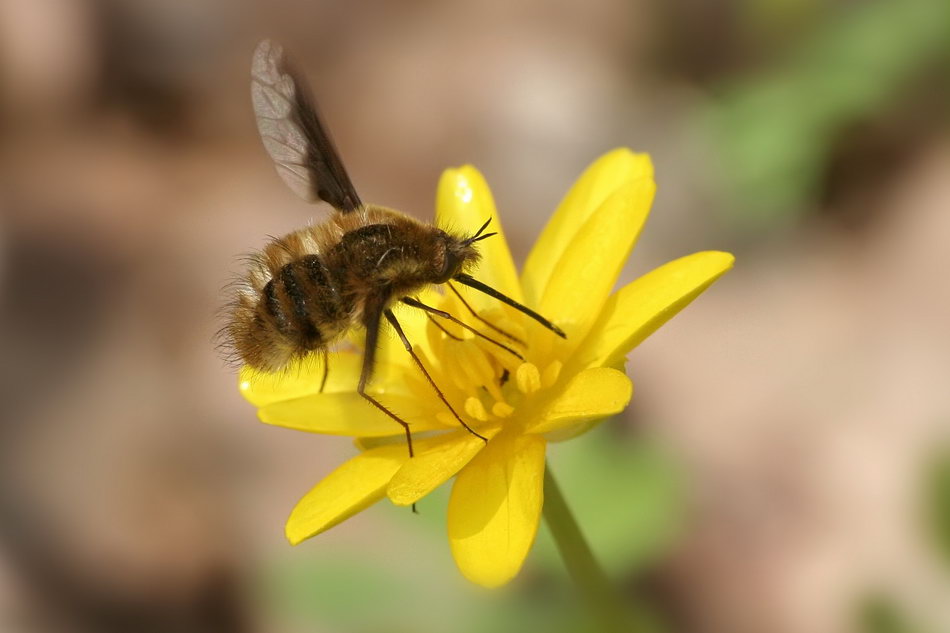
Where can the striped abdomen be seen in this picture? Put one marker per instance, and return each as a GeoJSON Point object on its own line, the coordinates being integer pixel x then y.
{"type": "Point", "coordinates": [302, 303]}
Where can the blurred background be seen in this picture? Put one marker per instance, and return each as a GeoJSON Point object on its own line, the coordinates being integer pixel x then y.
{"type": "Point", "coordinates": [785, 464]}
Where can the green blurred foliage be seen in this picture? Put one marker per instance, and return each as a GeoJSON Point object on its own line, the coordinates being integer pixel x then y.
{"type": "Point", "coordinates": [937, 503]}
{"type": "Point", "coordinates": [880, 614]}
{"type": "Point", "coordinates": [628, 497]}
{"type": "Point", "coordinates": [773, 131]}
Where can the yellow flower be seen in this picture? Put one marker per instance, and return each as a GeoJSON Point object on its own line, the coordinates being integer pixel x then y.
{"type": "Point", "coordinates": [561, 388]}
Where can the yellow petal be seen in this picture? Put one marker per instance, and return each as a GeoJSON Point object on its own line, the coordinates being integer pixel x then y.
{"type": "Point", "coordinates": [590, 395]}
{"type": "Point", "coordinates": [348, 414]}
{"type": "Point", "coordinates": [599, 181]}
{"type": "Point", "coordinates": [463, 203]}
{"type": "Point", "coordinates": [302, 378]}
{"type": "Point", "coordinates": [435, 462]}
{"type": "Point", "coordinates": [351, 488]}
{"type": "Point", "coordinates": [495, 507]}
{"type": "Point", "coordinates": [640, 307]}
{"type": "Point", "coordinates": [587, 271]}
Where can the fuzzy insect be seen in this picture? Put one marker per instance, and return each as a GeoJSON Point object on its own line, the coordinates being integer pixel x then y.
{"type": "Point", "coordinates": [309, 288]}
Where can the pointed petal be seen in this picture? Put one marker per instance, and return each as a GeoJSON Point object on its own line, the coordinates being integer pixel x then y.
{"type": "Point", "coordinates": [351, 488]}
{"type": "Point", "coordinates": [587, 271]}
{"type": "Point", "coordinates": [435, 462]}
{"type": "Point", "coordinates": [302, 378]}
{"type": "Point", "coordinates": [495, 508]}
{"type": "Point", "coordinates": [640, 307]}
{"type": "Point", "coordinates": [348, 414]}
{"type": "Point", "coordinates": [463, 203]}
{"type": "Point", "coordinates": [590, 395]}
{"type": "Point", "coordinates": [595, 185]}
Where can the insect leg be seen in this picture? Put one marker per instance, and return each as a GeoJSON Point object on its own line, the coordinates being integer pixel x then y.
{"type": "Point", "coordinates": [479, 317]}
{"type": "Point", "coordinates": [326, 369]}
{"type": "Point", "coordinates": [471, 282]}
{"type": "Point", "coordinates": [373, 314]}
{"type": "Point", "coordinates": [436, 323]}
{"type": "Point", "coordinates": [405, 342]}
{"type": "Point", "coordinates": [415, 303]}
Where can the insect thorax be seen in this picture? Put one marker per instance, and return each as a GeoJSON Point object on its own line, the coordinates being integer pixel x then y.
{"type": "Point", "coordinates": [392, 258]}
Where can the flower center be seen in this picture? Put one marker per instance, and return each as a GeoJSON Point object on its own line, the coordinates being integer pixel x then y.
{"type": "Point", "coordinates": [484, 381]}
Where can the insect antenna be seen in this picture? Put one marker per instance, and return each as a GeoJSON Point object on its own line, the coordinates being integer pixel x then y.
{"type": "Point", "coordinates": [415, 303]}
{"type": "Point", "coordinates": [478, 237]}
{"type": "Point", "coordinates": [471, 282]}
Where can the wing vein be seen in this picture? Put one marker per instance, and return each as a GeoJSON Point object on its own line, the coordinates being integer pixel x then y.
{"type": "Point", "coordinates": [293, 135]}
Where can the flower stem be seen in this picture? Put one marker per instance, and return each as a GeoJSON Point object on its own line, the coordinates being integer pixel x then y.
{"type": "Point", "coordinates": [588, 575]}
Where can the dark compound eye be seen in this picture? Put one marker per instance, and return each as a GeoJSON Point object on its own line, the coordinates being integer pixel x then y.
{"type": "Point", "coordinates": [450, 265]}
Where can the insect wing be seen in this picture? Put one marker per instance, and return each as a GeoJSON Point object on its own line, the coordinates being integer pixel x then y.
{"type": "Point", "coordinates": [293, 135]}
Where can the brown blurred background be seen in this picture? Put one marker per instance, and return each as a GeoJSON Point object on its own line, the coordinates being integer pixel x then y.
{"type": "Point", "coordinates": [784, 465]}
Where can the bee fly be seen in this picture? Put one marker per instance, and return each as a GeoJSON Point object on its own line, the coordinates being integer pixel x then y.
{"type": "Point", "coordinates": [310, 287]}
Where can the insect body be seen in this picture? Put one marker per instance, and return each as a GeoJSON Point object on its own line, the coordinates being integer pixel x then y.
{"type": "Point", "coordinates": [310, 287]}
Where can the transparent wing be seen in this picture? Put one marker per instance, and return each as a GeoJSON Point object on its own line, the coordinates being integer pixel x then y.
{"type": "Point", "coordinates": [293, 135]}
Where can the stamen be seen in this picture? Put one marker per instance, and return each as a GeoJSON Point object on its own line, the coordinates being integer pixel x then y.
{"type": "Point", "coordinates": [453, 367]}
{"type": "Point", "coordinates": [550, 374]}
{"type": "Point", "coordinates": [500, 356]}
{"type": "Point", "coordinates": [508, 325]}
{"type": "Point", "coordinates": [473, 363]}
{"type": "Point", "coordinates": [502, 409]}
{"type": "Point", "coordinates": [475, 409]}
{"type": "Point", "coordinates": [494, 389]}
{"type": "Point", "coordinates": [481, 370]}
{"type": "Point", "coordinates": [527, 378]}
{"type": "Point", "coordinates": [482, 365]}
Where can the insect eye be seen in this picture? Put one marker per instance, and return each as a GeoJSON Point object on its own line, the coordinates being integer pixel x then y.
{"type": "Point", "coordinates": [450, 266]}
{"type": "Point", "coordinates": [452, 259]}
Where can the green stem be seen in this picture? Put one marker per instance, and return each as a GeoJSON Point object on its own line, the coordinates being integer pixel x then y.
{"type": "Point", "coordinates": [588, 575]}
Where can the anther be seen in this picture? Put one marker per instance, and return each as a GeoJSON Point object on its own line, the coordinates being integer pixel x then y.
{"type": "Point", "coordinates": [527, 378]}
{"type": "Point", "coordinates": [502, 409]}
{"type": "Point", "coordinates": [475, 409]}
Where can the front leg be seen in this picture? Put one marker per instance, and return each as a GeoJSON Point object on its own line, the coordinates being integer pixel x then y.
{"type": "Point", "coordinates": [405, 343]}
{"type": "Point", "coordinates": [372, 315]}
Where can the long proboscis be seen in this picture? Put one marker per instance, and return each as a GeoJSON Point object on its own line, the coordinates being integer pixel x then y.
{"type": "Point", "coordinates": [471, 282]}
